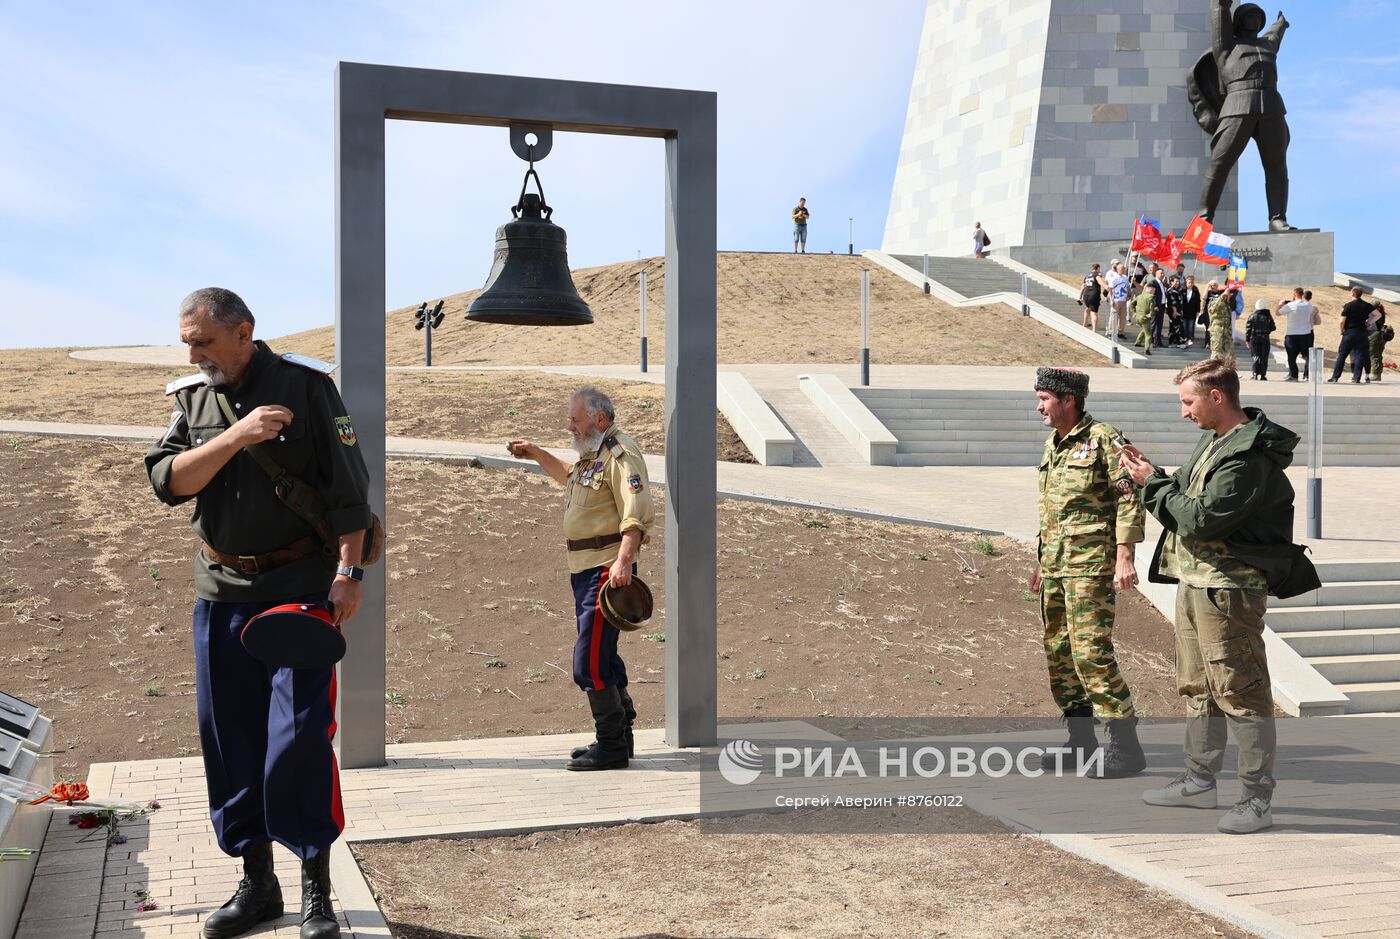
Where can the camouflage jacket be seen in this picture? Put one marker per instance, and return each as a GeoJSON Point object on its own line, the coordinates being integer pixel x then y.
{"type": "Point", "coordinates": [1088, 505]}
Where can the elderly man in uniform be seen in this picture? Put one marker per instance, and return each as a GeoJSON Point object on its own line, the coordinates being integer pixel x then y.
{"type": "Point", "coordinates": [1227, 532]}
{"type": "Point", "coordinates": [265, 732]}
{"type": "Point", "coordinates": [607, 514]}
{"type": "Point", "coordinates": [1090, 518]}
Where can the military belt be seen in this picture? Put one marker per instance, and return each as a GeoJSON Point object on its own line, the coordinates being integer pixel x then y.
{"type": "Point", "coordinates": [251, 564]}
{"type": "Point", "coordinates": [597, 541]}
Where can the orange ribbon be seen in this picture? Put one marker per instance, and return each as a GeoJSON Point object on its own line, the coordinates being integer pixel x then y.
{"type": "Point", "coordinates": [65, 792]}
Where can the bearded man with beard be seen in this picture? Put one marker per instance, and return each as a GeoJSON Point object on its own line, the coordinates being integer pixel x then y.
{"type": "Point", "coordinates": [607, 513]}
{"type": "Point", "coordinates": [266, 732]}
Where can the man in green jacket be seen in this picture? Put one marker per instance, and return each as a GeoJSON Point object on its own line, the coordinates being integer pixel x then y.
{"type": "Point", "coordinates": [1231, 501]}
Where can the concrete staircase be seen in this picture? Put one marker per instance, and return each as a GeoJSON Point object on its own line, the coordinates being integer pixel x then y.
{"type": "Point", "coordinates": [947, 427]}
{"type": "Point", "coordinates": [1349, 631]}
{"type": "Point", "coordinates": [973, 277]}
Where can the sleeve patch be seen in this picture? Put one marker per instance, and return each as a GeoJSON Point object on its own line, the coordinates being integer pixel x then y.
{"type": "Point", "coordinates": [346, 431]}
{"type": "Point", "coordinates": [175, 418]}
{"type": "Point", "coordinates": [634, 482]}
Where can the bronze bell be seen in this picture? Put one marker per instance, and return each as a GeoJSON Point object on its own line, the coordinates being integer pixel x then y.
{"type": "Point", "coordinates": [529, 283]}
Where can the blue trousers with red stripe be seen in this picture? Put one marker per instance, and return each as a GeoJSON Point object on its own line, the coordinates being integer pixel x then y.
{"type": "Point", "coordinates": [266, 735]}
{"type": "Point", "coordinates": [596, 662]}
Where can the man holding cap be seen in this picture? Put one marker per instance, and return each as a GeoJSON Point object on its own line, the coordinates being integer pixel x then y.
{"type": "Point", "coordinates": [266, 732]}
{"type": "Point", "coordinates": [1090, 518]}
{"type": "Point", "coordinates": [607, 513]}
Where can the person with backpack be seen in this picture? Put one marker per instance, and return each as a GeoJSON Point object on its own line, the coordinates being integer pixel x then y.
{"type": "Point", "coordinates": [981, 241]}
{"type": "Point", "coordinates": [1378, 335]}
{"type": "Point", "coordinates": [1091, 297]}
{"type": "Point", "coordinates": [1256, 335]}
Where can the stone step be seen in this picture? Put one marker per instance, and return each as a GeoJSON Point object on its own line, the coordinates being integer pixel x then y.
{"type": "Point", "coordinates": [1358, 570]}
{"type": "Point", "coordinates": [1337, 616]}
{"type": "Point", "coordinates": [1345, 642]}
{"type": "Point", "coordinates": [1371, 696]}
{"type": "Point", "coordinates": [1357, 591]}
{"type": "Point", "coordinates": [1374, 667]}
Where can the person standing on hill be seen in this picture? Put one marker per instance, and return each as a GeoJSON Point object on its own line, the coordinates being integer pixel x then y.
{"type": "Point", "coordinates": [800, 214]}
{"type": "Point", "coordinates": [1356, 315]}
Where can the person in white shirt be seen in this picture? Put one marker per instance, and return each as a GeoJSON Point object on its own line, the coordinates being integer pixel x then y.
{"type": "Point", "coordinates": [1117, 298]}
{"type": "Point", "coordinates": [1302, 316]}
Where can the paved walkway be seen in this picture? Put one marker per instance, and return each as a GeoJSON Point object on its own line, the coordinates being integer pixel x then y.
{"type": "Point", "coordinates": [1331, 867]}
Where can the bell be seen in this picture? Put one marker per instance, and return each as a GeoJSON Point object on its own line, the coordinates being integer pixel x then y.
{"type": "Point", "coordinates": [529, 283]}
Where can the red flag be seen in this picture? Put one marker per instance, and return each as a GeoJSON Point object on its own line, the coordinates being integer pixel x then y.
{"type": "Point", "coordinates": [1196, 234]}
{"type": "Point", "coordinates": [1170, 251]}
{"type": "Point", "coordinates": [1147, 237]}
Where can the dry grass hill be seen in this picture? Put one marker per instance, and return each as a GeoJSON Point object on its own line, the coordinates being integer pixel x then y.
{"type": "Point", "coordinates": [771, 308]}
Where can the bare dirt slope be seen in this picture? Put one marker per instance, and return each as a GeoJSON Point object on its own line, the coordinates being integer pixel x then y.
{"type": "Point", "coordinates": [771, 308]}
{"type": "Point", "coordinates": [48, 385]}
{"type": "Point", "coordinates": [821, 616]}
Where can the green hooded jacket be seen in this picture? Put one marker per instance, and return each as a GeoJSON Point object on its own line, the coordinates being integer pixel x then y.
{"type": "Point", "coordinates": [1238, 516]}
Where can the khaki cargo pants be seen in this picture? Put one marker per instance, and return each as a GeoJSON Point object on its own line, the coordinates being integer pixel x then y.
{"type": "Point", "coordinates": [1222, 672]}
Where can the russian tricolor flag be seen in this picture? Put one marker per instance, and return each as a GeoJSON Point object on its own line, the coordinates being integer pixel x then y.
{"type": "Point", "coordinates": [1217, 249]}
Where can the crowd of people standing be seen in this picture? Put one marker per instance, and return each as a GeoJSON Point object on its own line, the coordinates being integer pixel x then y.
{"type": "Point", "coordinates": [1168, 306]}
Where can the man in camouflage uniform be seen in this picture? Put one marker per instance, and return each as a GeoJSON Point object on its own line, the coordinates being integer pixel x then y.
{"type": "Point", "coordinates": [1222, 325]}
{"type": "Point", "coordinates": [1227, 520]}
{"type": "Point", "coordinates": [1090, 518]}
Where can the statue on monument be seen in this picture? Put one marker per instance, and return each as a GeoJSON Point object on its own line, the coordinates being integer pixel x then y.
{"type": "Point", "coordinates": [1234, 91]}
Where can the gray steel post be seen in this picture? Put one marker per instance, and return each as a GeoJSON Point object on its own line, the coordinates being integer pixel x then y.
{"type": "Point", "coordinates": [1025, 297]}
{"type": "Point", "coordinates": [642, 284]}
{"type": "Point", "coordinates": [865, 326]}
{"type": "Point", "coordinates": [428, 342]}
{"type": "Point", "coordinates": [359, 349]}
{"type": "Point", "coordinates": [926, 286]}
{"type": "Point", "coordinates": [691, 608]}
{"type": "Point", "coordinates": [1316, 430]}
{"type": "Point", "coordinates": [851, 233]}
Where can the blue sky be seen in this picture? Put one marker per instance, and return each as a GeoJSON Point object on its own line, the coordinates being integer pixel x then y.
{"type": "Point", "coordinates": [151, 148]}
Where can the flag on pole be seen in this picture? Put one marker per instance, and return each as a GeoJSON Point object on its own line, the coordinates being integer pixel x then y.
{"type": "Point", "coordinates": [1147, 236]}
{"type": "Point", "coordinates": [1169, 252]}
{"type": "Point", "coordinates": [1196, 234]}
{"type": "Point", "coordinates": [1237, 271]}
{"type": "Point", "coordinates": [1217, 249]}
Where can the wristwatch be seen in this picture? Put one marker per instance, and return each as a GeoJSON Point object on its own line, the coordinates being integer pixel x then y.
{"type": "Point", "coordinates": [354, 573]}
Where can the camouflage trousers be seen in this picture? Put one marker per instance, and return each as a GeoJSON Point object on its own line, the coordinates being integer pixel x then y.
{"type": "Point", "coordinates": [1078, 617]}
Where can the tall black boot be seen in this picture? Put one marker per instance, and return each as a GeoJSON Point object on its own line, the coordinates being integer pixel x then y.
{"type": "Point", "coordinates": [257, 899]}
{"type": "Point", "coordinates": [317, 917]}
{"type": "Point", "coordinates": [1124, 756]}
{"type": "Point", "coordinates": [630, 710]}
{"type": "Point", "coordinates": [1082, 743]}
{"type": "Point", "coordinates": [610, 724]}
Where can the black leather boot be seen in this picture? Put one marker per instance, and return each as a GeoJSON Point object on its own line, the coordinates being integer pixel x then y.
{"type": "Point", "coordinates": [630, 710]}
{"type": "Point", "coordinates": [610, 724]}
{"type": "Point", "coordinates": [1124, 756]}
{"type": "Point", "coordinates": [317, 917]}
{"type": "Point", "coordinates": [257, 899]}
{"type": "Point", "coordinates": [1082, 743]}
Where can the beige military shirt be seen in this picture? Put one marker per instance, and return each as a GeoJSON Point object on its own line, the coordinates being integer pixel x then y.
{"type": "Point", "coordinates": [607, 493]}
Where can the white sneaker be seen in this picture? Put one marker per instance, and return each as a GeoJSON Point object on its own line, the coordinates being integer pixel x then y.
{"type": "Point", "coordinates": [1249, 815]}
{"type": "Point", "coordinates": [1181, 792]}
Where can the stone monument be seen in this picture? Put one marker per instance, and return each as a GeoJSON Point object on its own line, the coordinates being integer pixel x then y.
{"type": "Point", "coordinates": [1055, 123]}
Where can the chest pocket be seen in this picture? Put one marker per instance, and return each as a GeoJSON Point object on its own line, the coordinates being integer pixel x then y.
{"type": "Point", "coordinates": [292, 448]}
{"type": "Point", "coordinates": [589, 497]}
